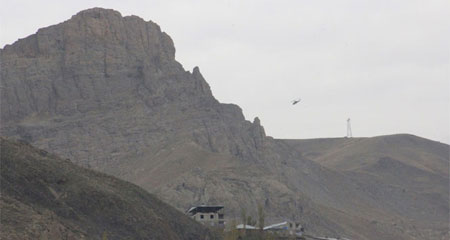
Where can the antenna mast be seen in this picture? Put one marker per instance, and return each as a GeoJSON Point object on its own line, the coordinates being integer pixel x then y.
{"type": "Point", "coordinates": [349, 129]}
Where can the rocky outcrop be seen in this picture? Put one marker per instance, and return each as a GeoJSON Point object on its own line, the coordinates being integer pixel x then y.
{"type": "Point", "coordinates": [64, 76]}
{"type": "Point", "coordinates": [96, 60]}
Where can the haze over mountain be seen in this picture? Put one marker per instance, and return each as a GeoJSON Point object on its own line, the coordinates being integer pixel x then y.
{"type": "Point", "coordinates": [106, 92]}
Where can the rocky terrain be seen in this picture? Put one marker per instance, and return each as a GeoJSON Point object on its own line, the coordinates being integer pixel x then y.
{"type": "Point", "coordinates": [408, 174]}
{"type": "Point", "coordinates": [106, 92]}
{"type": "Point", "coordinates": [45, 197]}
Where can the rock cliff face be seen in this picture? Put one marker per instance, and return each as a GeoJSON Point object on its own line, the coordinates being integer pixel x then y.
{"type": "Point", "coordinates": [70, 75]}
{"type": "Point", "coordinates": [106, 91]}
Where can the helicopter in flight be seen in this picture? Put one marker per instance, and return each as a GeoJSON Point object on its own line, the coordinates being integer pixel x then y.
{"type": "Point", "coordinates": [295, 101]}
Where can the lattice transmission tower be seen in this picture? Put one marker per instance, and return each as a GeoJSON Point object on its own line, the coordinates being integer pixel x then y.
{"type": "Point", "coordinates": [349, 129]}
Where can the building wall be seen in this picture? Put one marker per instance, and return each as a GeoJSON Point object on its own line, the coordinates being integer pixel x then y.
{"type": "Point", "coordinates": [209, 219]}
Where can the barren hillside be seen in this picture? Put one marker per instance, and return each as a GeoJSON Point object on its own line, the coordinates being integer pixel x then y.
{"type": "Point", "coordinates": [45, 197]}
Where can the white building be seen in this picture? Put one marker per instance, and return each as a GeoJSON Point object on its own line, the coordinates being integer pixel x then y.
{"type": "Point", "coordinates": [208, 215]}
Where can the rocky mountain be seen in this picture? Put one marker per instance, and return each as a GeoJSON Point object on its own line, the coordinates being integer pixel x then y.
{"type": "Point", "coordinates": [106, 91]}
{"type": "Point", "coordinates": [46, 197]}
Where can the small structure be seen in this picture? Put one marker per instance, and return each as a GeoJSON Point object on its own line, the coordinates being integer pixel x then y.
{"type": "Point", "coordinates": [287, 227]}
{"type": "Point", "coordinates": [208, 215]}
{"type": "Point", "coordinates": [246, 227]}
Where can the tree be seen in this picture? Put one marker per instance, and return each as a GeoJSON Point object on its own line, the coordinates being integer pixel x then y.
{"type": "Point", "coordinates": [233, 234]}
{"type": "Point", "coordinates": [104, 236]}
{"type": "Point", "coordinates": [250, 221]}
{"type": "Point", "coordinates": [261, 217]}
{"type": "Point", "coordinates": [244, 217]}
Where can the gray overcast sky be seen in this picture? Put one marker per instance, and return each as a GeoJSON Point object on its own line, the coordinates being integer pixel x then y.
{"type": "Point", "coordinates": [383, 63]}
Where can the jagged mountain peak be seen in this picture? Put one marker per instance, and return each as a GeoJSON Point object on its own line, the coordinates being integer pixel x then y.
{"type": "Point", "coordinates": [98, 12]}
{"type": "Point", "coordinates": [97, 59]}
{"type": "Point", "coordinates": [100, 63]}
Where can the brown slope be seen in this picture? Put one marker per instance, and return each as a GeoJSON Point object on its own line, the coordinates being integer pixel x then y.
{"type": "Point", "coordinates": [356, 153]}
{"type": "Point", "coordinates": [408, 161]}
{"type": "Point", "coordinates": [45, 197]}
{"type": "Point", "coordinates": [106, 91]}
{"type": "Point", "coordinates": [407, 174]}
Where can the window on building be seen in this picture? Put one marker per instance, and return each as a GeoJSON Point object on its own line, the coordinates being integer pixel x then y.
{"type": "Point", "coordinates": [201, 216]}
{"type": "Point", "coordinates": [212, 216]}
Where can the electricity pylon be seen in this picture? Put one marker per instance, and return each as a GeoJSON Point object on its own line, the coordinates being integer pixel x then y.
{"type": "Point", "coordinates": [349, 129]}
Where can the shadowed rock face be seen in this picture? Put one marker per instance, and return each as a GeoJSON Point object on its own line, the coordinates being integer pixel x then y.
{"type": "Point", "coordinates": [45, 197]}
{"type": "Point", "coordinates": [106, 91]}
{"type": "Point", "coordinates": [84, 64]}
{"type": "Point", "coordinates": [108, 76]}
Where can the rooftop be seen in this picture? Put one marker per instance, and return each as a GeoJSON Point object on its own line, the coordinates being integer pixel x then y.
{"type": "Point", "coordinates": [204, 209]}
{"type": "Point", "coordinates": [241, 226]}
